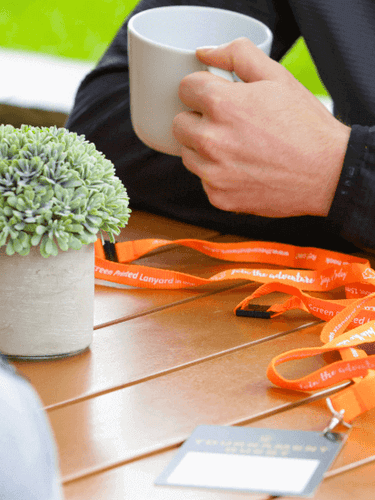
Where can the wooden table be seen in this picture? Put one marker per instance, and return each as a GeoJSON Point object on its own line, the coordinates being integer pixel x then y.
{"type": "Point", "coordinates": [164, 362]}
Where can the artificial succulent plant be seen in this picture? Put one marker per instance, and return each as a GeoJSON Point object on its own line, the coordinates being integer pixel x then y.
{"type": "Point", "coordinates": [56, 191]}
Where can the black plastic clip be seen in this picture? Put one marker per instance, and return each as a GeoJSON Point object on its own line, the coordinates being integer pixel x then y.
{"type": "Point", "coordinates": [255, 311]}
{"type": "Point", "coordinates": [110, 251]}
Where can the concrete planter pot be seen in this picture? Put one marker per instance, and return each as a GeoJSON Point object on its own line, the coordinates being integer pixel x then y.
{"type": "Point", "coordinates": [47, 305]}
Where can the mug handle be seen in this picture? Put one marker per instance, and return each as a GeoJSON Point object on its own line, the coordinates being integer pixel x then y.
{"type": "Point", "coordinates": [223, 73]}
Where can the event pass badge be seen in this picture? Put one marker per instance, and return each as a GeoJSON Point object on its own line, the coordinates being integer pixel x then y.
{"type": "Point", "coordinates": [273, 461]}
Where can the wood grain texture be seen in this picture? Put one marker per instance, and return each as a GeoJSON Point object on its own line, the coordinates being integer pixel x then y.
{"type": "Point", "coordinates": [127, 423]}
{"type": "Point", "coordinates": [163, 362]}
{"type": "Point", "coordinates": [348, 478]}
{"type": "Point", "coordinates": [153, 344]}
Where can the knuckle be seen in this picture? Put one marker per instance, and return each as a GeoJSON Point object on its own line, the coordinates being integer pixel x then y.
{"type": "Point", "coordinates": [219, 199]}
{"type": "Point", "coordinates": [284, 75]}
{"type": "Point", "coordinates": [216, 103]}
{"type": "Point", "coordinates": [175, 125]}
{"type": "Point", "coordinates": [206, 145]}
{"type": "Point", "coordinates": [240, 42]}
{"type": "Point", "coordinates": [214, 198]}
{"type": "Point", "coordinates": [193, 83]}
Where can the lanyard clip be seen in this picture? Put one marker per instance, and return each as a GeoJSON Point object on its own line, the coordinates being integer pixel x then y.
{"type": "Point", "coordinates": [254, 311]}
{"type": "Point", "coordinates": [110, 251]}
{"type": "Point", "coordinates": [337, 418]}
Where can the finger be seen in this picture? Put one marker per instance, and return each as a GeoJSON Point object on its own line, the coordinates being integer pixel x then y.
{"type": "Point", "coordinates": [196, 89]}
{"type": "Point", "coordinates": [185, 127]}
{"type": "Point", "coordinates": [195, 132]}
{"type": "Point", "coordinates": [243, 57]}
{"type": "Point", "coordinates": [208, 173]}
{"type": "Point", "coordinates": [199, 166]}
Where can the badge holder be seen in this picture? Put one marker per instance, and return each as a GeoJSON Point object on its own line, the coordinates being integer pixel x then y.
{"type": "Point", "coordinates": [276, 462]}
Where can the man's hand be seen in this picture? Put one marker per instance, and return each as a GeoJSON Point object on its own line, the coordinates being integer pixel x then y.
{"type": "Point", "coordinates": [266, 146]}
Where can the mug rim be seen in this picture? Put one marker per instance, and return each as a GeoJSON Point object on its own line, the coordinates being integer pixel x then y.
{"type": "Point", "coordinates": [132, 29]}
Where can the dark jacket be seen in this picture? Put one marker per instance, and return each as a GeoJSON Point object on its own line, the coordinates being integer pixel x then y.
{"type": "Point", "coordinates": [340, 35]}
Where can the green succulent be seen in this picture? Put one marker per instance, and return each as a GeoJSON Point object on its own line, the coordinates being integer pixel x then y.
{"type": "Point", "coordinates": [56, 191]}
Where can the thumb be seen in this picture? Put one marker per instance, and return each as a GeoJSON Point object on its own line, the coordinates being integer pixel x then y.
{"type": "Point", "coordinates": [244, 58]}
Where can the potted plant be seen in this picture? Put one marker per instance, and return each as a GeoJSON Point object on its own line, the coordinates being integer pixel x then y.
{"type": "Point", "coordinates": [57, 192]}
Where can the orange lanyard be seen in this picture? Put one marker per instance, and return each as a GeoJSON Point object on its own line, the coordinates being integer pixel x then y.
{"type": "Point", "coordinates": [356, 365]}
{"type": "Point", "coordinates": [316, 269]}
{"type": "Point", "coordinates": [350, 322]}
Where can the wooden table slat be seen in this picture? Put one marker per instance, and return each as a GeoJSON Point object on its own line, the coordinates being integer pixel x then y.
{"type": "Point", "coordinates": [147, 225]}
{"type": "Point", "coordinates": [135, 481]}
{"type": "Point", "coordinates": [357, 482]}
{"type": "Point", "coordinates": [163, 362]}
{"type": "Point", "coordinates": [147, 346]}
{"type": "Point", "coordinates": [124, 424]}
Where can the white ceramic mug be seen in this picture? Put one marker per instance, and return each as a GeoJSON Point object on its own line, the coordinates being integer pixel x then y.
{"type": "Point", "coordinates": [161, 47]}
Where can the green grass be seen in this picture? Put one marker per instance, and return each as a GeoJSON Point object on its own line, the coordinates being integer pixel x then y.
{"type": "Point", "coordinates": [82, 29]}
{"type": "Point", "coordinates": [79, 29]}
{"type": "Point", "coordinates": [299, 62]}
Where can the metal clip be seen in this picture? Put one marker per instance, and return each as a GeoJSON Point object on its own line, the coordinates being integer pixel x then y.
{"type": "Point", "coordinates": [337, 418]}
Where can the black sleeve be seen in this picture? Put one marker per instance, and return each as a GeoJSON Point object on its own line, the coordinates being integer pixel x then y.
{"type": "Point", "coordinates": [353, 208]}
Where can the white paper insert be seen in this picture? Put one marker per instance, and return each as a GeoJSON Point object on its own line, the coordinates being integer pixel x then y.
{"type": "Point", "coordinates": [218, 470]}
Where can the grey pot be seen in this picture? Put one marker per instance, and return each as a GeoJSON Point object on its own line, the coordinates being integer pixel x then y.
{"type": "Point", "coordinates": [46, 305]}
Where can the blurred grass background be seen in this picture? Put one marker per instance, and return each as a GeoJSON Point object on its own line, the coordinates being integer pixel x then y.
{"type": "Point", "coordinates": [82, 29]}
